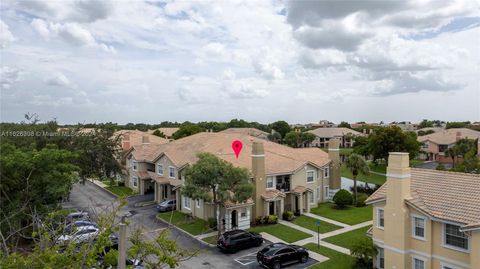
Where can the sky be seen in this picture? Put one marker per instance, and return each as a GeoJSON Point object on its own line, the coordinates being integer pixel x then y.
{"type": "Point", "coordinates": [300, 61]}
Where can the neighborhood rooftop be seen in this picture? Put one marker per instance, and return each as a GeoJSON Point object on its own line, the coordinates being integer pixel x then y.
{"type": "Point", "coordinates": [333, 132]}
{"type": "Point", "coordinates": [246, 131]}
{"type": "Point", "coordinates": [449, 136]}
{"type": "Point", "coordinates": [444, 195]}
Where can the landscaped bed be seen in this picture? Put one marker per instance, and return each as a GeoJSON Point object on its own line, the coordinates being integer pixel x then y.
{"type": "Point", "coordinates": [310, 223]}
{"type": "Point", "coordinates": [120, 191]}
{"type": "Point", "coordinates": [350, 215]}
{"type": "Point", "coordinates": [337, 260]}
{"type": "Point", "coordinates": [283, 232]}
{"type": "Point", "coordinates": [194, 226]}
{"type": "Point", "coordinates": [347, 239]}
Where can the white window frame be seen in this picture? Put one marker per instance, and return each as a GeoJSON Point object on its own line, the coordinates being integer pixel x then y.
{"type": "Point", "coordinates": [170, 172]}
{"type": "Point", "coordinates": [197, 203]}
{"type": "Point", "coordinates": [134, 165]}
{"type": "Point", "coordinates": [160, 169]}
{"type": "Point", "coordinates": [311, 197]}
{"type": "Point", "coordinates": [326, 190]}
{"type": "Point", "coordinates": [424, 238]}
{"type": "Point", "coordinates": [326, 172]}
{"type": "Point", "coordinates": [318, 194]}
{"type": "Point", "coordinates": [313, 176]}
{"type": "Point", "coordinates": [135, 181]}
{"type": "Point", "coordinates": [444, 240]}
{"type": "Point", "coordinates": [378, 258]}
{"type": "Point", "coordinates": [273, 182]}
{"type": "Point", "coordinates": [447, 266]}
{"type": "Point", "coordinates": [186, 200]}
{"type": "Point", "coordinates": [378, 217]}
{"type": "Point", "coordinates": [242, 212]}
{"type": "Point", "coordinates": [420, 259]}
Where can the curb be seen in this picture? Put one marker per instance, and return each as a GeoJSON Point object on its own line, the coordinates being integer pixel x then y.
{"type": "Point", "coordinates": [105, 190]}
{"type": "Point", "coordinates": [185, 232]}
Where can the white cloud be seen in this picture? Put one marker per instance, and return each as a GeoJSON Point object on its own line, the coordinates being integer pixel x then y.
{"type": "Point", "coordinates": [8, 76]}
{"type": "Point", "coordinates": [58, 79]}
{"type": "Point", "coordinates": [6, 37]}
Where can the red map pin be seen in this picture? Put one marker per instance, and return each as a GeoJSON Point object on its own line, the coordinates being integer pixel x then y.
{"type": "Point", "coordinates": [237, 147]}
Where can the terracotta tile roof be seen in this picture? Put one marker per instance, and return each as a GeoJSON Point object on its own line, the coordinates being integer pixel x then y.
{"type": "Point", "coordinates": [232, 204]}
{"type": "Point", "coordinates": [135, 137]}
{"type": "Point", "coordinates": [301, 189]}
{"type": "Point", "coordinates": [141, 174]}
{"type": "Point", "coordinates": [449, 136]}
{"type": "Point", "coordinates": [334, 132]}
{"type": "Point", "coordinates": [145, 153]}
{"type": "Point", "coordinates": [444, 195]}
{"type": "Point", "coordinates": [273, 194]}
{"type": "Point", "coordinates": [246, 131]}
{"type": "Point", "coordinates": [158, 179]}
{"type": "Point", "coordinates": [278, 158]}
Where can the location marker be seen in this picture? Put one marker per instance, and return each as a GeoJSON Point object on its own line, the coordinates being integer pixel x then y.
{"type": "Point", "coordinates": [237, 147]}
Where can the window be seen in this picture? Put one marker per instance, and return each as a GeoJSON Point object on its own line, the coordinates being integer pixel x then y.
{"type": "Point", "coordinates": [160, 169]}
{"type": "Point", "coordinates": [186, 202]}
{"type": "Point", "coordinates": [269, 182]}
{"type": "Point", "coordinates": [418, 264]}
{"type": "Point", "coordinates": [134, 165]}
{"type": "Point", "coordinates": [425, 145]}
{"type": "Point", "coordinates": [380, 218]}
{"type": "Point", "coordinates": [135, 181]}
{"type": "Point", "coordinates": [243, 213]}
{"type": "Point", "coordinates": [311, 197]}
{"type": "Point", "coordinates": [197, 203]}
{"type": "Point", "coordinates": [318, 193]}
{"type": "Point", "coordinates": [442, 148]}
{"type": "Point", "coordinates": [310, 176]}
{"type": "Point", "coordinates": [454, 238]}
{"type": "Point", "coordinates": [418, 227]}
{"type": "Point", "coordinates": [171, 172]}
{"type": "Point", "coordinates": [447, 267]}
{"type": "Point", "coordinates": [380, 259]}
{"type": "Point", "coordinates": [326, 172]}
{"type": "Point", "coordinates": [327, 190]}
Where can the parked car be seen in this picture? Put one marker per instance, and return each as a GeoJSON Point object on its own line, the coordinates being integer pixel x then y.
{"type": "Point", "coordinates": [167, 205]}
{"type": "Point", "coordinates": [232, 241]}
{"type": "Point", "coordinates": [276, 255]}
{"type": "Point", "coordinates": [79, 215]}
{"type": "Point", "coordinates": [79, 223]}
{"type": "Point", "coordinates": [80, 235]}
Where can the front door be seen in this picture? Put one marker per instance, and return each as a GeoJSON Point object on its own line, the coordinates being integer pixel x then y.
{"type": "Point", "coordinates": [296, 203]}
{"type": "Point", "coordinates": [271, 210]}
{"type": "Point", "coordinates": [234, 219]}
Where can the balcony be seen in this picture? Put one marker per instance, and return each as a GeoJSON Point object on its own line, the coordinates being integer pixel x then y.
{"type": "Point", "coordinates": [283, 183]}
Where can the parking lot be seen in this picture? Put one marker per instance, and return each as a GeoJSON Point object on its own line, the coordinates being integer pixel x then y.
{"type": "Point", "coordinates": [247, 259]}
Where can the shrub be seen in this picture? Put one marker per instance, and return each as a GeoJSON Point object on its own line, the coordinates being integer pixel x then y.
{"type": "Point", "coordinates": [342, 198]}
{"type": "Point", "coordinates": [361, 197]}
{"type": "Point", "coordinates": [121, 184]}
{"type": "Point", "coordinates": [365, 189]}
{"type": "Point", "coordinates": [272, 219]}
{"type": "Point", "coordinates": [111, 258]}
{"type": "Point", "coordinates": [212, 223]}
{"type": "Point", "coordinates": [258, 220]}
{"type": "Point", "coordinates": [363, 250]}
{"type": "Point", "coordinates": [287, 215]}
{"type": "Point", "coordinates": [441, 167]}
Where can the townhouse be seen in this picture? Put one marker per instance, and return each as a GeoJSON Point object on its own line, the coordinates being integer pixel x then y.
{"type": "Point", "coordinates": [426, 219]}
{"type": "Point", "coordinates": [285, 178]}
{"type": "Point", "coordinates": [248, 131]}
{"type": "Point", "coordinates": [344, 135]}
{"type": "Point", "coordinates": [130, 138]}
{"type": "Point", "coordinates": [434, 145]}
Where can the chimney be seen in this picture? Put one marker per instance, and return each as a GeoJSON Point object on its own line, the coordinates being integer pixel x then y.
{"type": "Point", "coordinates": [396, 213]}
{"type": "Point", "coordinates": [334, 155]}
{"type": "Point", "coordinates": [258, 172]}
{"type": "Point", "coordinates": [145, 140]}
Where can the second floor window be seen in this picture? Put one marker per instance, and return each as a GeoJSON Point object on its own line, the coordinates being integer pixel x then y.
{"type": "Point", "coordinates": [269, 182]}
{"type": "Point", "coordinates": [381, 258]}
{"type": "Point", "coordinates": [134, 165]}
{"type": "Point", "coordinates": [380, 218]}
{"type": "Point", "coordinates": [418, 264]}
{"type": "Point", "coordinates": [418, 225]}
{"type": "Point", "coordinates": [326, 172]}
{"type": "Point", "coordinates": [171, 172]}
{"type": "Point", "coordinates": [310, 176]}
{"type": "Point", "coordinates": [160, 169]}
{"type": "Point", "coordinates": [454, 238]}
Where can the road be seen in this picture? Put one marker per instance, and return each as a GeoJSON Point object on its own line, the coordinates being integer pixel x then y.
{"type": "Point", "coordinates": [93, 199]}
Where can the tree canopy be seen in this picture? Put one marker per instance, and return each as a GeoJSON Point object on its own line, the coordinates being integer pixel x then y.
{"type": "Point", "coordinates": [282, 127]}
{"type": "Point", "coordinates": [298, 139]}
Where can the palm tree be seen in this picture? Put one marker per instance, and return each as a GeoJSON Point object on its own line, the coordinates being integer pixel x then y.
{"type": "Point", "coordinates": [452, 152]}
{"type": "Point", "coordinates": [357, 165]}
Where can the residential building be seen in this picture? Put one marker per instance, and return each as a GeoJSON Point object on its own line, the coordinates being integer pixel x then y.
{"type": "Point", "coordinates": [406, 126]}
{"type": "Point", "coordinates": [129, 138]}
{"type": "Point", "coordinates": [167, 131]}
{"type": "Point", "coordinates": [426, 218]}
{"type": "Point", "coordinates": [344, 135]}
{"type": "Point", "coordinates": [285, 178]}
{"type": "Point", "coordinates": [248, 131]}
{"type": "Point", "coordinates": [429, 129]}
{"type": "Point", "coordinates": [434, 145]}
{"type": "Point", "coordinates": [321, 124]}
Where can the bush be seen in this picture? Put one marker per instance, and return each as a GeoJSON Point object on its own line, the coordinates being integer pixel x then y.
{"type": "Point", "coordinates": [343, 198]}
{"type": "Point", "coordinates": [363, 250]}
{"type": "Point", "coordinates": [259, 220]}
{"type": "Point", "coordinates": [287, 215]}
{"type": "Point", "coordinates": [111, 258]}
{"type": "Point", "coordinates": [365, 189]}
{"type": "Point", "coordinates": [361, 197]}
{"type": "Point", "coordinates": [121, 184]}
{"type": "Point", "coordinates": [441, 167]}
{"type": "Point", "coordinates": [272, 219]}
{"type": "Point", "coordinates": [212, 223]}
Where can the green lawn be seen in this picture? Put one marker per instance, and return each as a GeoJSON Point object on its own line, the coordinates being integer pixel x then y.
{"type": "Point", "coordinates": [346, 151]}
{"type": "Point", "coordinates": [379, 168]}
{"type": "Point", "coordinates": [414, 162]}
{"type": "Point", "coordinates": [310, 223]}
{"type": "Point", "coordinates": [120, 191]}
{"type": "Point", "coordinates": [370, 178]}
{"type": "Point", "coordinates": [194, 226]}
{"type": "Point", "coordinates": [283, 232]}
{"type": "Point", "coordinates": [349, 215]}
{"type": "Point", "coordinates": [337, 260]}
{"type": "Point", "coordinates": [211, 240]}
{"type": "Point", "coordinates": [347, 239]}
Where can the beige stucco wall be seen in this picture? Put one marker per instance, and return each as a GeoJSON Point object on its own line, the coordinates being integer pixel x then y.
{"type": "Point", "coordinates": [299, 178]}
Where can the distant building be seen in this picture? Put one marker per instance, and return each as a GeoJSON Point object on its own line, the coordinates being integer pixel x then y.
{"type": "Point", "coordinates": [344, 135]}
{"type": "Point", "coordinates": [321, 124]}
{"type": "Point", "coordinates": [247, 131]}
{"type": "Point", "coordinates": [130, 138]}
{"type": "Point", "coordinates": [405, 126]}
{"type": "Point", "coordinates": [358, 125]}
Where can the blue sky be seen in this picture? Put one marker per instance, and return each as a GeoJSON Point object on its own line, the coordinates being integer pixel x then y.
{"type": "Point", "coordinates": [301, 61]}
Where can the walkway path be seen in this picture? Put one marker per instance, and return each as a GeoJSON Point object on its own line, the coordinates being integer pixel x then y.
{"type": "Point", "coordinates": [334, 222]}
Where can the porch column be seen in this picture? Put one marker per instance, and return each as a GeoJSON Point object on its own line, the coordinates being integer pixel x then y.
{"type": "Point", "coordinates": [266, 208]}
{"type": "Point", "coordinates": [292, 202]}
{"type": "Point", "coordinates": [300, 203]}
{"type": "Point", "coordinates": [178, 197]}
{"type": "Point", "coordinates": [308, 200]}
{"type": "Point", "coordinates": [228, 220]}
{"type": "Point", "coordinates": [155, 196]}
{"type": "Point", "coordinates": [281, 208]}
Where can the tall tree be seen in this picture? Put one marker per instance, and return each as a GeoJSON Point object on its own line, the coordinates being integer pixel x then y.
{"type": "Point", "coordinates": [215, 180]}
{"type": "Point", "coordinates": [159, 133]}
{"type": "Point", "coordinates": [187, 130]}
{"type": "Point", "coordinates": [392, 139]}
{"type": "Point", "coordinates": [357, 165]}
{"type": "Point", "coordinates": [344, 124]}
{"type": "Point", "coordinates": [297, 139]}
{"type": "Point", "coordinates": [282, 127]}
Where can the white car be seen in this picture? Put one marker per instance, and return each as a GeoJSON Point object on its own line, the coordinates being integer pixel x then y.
{"type": "Point", "coordinates": [81, 234]}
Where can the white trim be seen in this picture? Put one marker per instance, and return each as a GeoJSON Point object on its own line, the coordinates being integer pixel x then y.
{"type": "Point", "coordinates": [258, 155]}
{"type": "Point", "coordinates": [185, 203]}
{"type": "Point", "coordinates": [159, 171]}
{"type": "Point", "coordinates": [197, 203]}
{"type": "Point", "coordinates": [381, 244]}
{"type": "Point", "coordinates": [311, 194]}
{"type": "Point", "coordinates": [413, 217]}
{"type": "Point", "coordinates": [134, 165]}
{"type": "Point", "coordinates": [415, 257]}
{"type": "Point", "coordinates": [445, 265]}
{"type": "Point", "coordinates": [313, 177]}
{"type": "Point", "coordinates": [333, 149]}
{"type": "Point", "coordinates": [398, 176]}
{"type": "Point", "coordinates": [444, 239]}
{"type": "Point", "coordinates": [378, 259]}
{"type": "Point", "coordinates": [377, 210]}
{"type": "Point", "coordinates": [273, 182]}
{"type": "Point", "coordinates": [174, 171]}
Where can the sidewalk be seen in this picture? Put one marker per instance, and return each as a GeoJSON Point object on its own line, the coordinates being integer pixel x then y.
{"type": "Point", "coordinates": [334, 222]}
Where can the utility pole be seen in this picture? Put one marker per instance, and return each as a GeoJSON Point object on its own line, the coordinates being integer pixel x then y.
{"type": "Point", "coordinates": [122, 245]}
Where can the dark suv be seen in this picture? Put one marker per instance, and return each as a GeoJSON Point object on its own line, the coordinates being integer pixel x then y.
{"type": "Point", "coordinates": [235, 240]}
{"type": "Point", "coordinates": [167, 205]}
{"type": "Point", "coordinates": [276, 255]}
